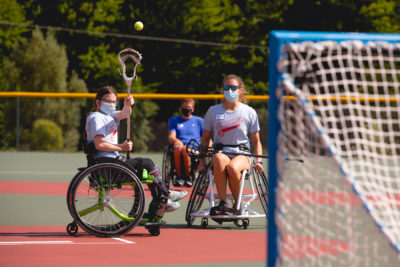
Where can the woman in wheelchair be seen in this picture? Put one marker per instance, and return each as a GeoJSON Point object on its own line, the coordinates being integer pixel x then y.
{"type": "Point", "coordinates": [102, 130]}
{"type": "Point", "coordinates": [232, 125]}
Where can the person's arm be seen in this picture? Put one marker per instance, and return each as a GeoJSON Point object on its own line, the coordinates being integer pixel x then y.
{"type": "Point", "coordinates": [102, 145]}
{"type": "Point", "coordinates": [126, 111]}
{"type": "Point", "coordinates": [172, 139]}
{"type": "Point", "coordinates": [206, 139]}
{"type": "Point", "coordinates": [257, 148]}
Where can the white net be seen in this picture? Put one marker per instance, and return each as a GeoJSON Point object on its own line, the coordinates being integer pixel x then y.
{"type": "Point", "coordinates": [339, 112]}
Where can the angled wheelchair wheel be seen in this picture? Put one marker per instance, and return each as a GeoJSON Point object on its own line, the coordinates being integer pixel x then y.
{"type": "Point", "coordinates": [106, 199]}
{"type": "Point", "coordinates": [198, 194]}
{"type": "Point", "coordinates": [262, 188]}
{"type": "Point", "coordinates": [168, 166]}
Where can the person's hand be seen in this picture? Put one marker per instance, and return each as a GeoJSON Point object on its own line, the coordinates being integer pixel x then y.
{"type": "Point", "coordinates": [178, 144]}
{"type": "Point", "coordinates": [127, 145]}
{"type": "Point", "coordinates": [129, 101]}
{"type": "Point", "coordinates": [259, 167]}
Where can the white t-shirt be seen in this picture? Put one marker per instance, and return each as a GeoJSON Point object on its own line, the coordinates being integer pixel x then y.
{"type": "Point", "coordinates": [231, 127]}
{"type": "Point", "coordinates": [98, 123]}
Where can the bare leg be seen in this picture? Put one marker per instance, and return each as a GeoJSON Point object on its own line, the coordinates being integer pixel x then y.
{"type": "Point", "coordinates": [220, 161]}
{"type": "Point", "coordinates": [177, 161]}
{"type": "Point", "coordinates": [186, 161]}
{"type": "Point", "coordinates": [235, 168]}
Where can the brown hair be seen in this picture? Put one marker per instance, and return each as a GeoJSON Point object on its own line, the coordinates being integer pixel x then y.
{"type": "Point", "coordinates": [187, 100]}
{"type": "Point", "coordinates": [242, 97]}
{"type": "Point", "coordinates": [105, 90]}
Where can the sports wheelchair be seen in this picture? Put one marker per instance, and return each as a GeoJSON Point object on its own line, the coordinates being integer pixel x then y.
{"type": "Point", "coordinates": [204, 189]}
{"type": "Point", "coordinates": [107, 199]}
{"type": "Point", "coordinates": [169, 173]}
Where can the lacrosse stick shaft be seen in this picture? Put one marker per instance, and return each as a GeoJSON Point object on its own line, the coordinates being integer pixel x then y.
{"type": "Point", "coordinates": [135, 56]}
{"type": "Point", "coordinates": [128, 120]}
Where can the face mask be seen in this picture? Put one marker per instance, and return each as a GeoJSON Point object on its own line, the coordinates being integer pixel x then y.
{"type": "Point", "coordinates": [231, 96]}
{"type": "Point", "coordinates": [108, 108]}
{"type": "Point", "coordinates": [186, 112]}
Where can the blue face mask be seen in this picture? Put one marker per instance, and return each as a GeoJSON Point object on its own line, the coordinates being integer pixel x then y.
{"type": "Point", "coordinates": [108, 108]}
{"type": "Point", "coordinates": [231, 96]}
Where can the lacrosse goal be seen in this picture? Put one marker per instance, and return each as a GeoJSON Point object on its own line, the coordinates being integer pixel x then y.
{"type": "Point", "coordinates": [335, 104]}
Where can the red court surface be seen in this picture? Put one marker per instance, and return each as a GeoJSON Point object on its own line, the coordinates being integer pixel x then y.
{"type": "Point", "coordinates": [52, 246]}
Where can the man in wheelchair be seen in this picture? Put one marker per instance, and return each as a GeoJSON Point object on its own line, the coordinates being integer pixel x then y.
{"type": "Point", "coordinates": [102, 136]}
{"type": "Point", "coordinates": [182, 129]}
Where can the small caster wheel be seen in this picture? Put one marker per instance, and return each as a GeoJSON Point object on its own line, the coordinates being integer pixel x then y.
{"type": "Point", "coordinates": [154, 230]}
{"type": "Point", "coordinates": [72, 228]}
{"type": "Point", "coordinates": [204, 223]}
{"type": "Point", "coordinates": [246, 223]}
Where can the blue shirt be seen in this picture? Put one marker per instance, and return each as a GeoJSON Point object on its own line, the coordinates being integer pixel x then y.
{"type": "Point", "coordinates": [186, 129]}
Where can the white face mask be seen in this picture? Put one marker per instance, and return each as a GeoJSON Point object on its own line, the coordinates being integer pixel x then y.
{"type": "Point", "coordinates": [108, 108]}
{"type": "Point", "coordinates": [230, 95]}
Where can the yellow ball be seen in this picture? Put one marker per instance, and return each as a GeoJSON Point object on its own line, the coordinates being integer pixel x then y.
{"type": "Point", "coordinates": [138, 25]}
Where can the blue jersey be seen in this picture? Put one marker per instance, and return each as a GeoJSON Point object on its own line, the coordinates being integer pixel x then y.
{"type": "Point", "coordinates": [186, 129]}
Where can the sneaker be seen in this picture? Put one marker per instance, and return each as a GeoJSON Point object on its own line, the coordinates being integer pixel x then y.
{"type": "Point", "coordinates": [188, 183]}
{"type": "Point", "coordinates": [176, 195]}
{"type": "Point", "coordinates": [238, 223]}
{"type": "Point", "coordinates": [171, 206]}
{"type": "Point", "coordinates": [223, 207]}
{"type": "Point", "coordinates": [178, 182]}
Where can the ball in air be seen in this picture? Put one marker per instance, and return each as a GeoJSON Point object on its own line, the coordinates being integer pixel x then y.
{"type": "Point", "coordinates": [138, 25]}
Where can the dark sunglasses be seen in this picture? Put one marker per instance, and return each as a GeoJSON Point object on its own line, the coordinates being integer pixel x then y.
{"type": "Point", "coordinates": [232, 87]}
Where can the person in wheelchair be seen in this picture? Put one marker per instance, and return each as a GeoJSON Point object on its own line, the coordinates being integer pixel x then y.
{"type": "Point", "coordinates": [102, 131]}
{"type": "Point", "coordinates": [233, 126]}
{"type": "Point", "coordinates": [181, 129]}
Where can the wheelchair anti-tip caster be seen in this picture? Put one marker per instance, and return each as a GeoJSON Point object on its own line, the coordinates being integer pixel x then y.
{"type": "Point", "coordinates": [72, 228]}
{"type": "Point", "coordinates": [204, 223]}
{"type": "Point", "coordinates": [246, 223]}
{"type": "Point", "coordinates": [154, 230]}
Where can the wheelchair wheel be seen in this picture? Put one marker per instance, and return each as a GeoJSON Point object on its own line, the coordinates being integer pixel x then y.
{"type": "Point", "coordinates": [262, 189]}
{"type": "Point", "coordinates": [167, 166]}
{"type": "Point", "coordinates": [198, 194]}
{"type": "Point", "coordinates": [106, 199]}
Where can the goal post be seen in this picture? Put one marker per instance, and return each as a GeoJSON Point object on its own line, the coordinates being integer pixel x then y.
{"type": "Point", "coordinates": [334, 149]}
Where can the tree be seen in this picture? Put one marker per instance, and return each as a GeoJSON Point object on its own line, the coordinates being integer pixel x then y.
{"type": "Point", "coordinates": [40, 64]}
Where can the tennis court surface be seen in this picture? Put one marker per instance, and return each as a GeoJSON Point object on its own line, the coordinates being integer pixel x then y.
{"type": "Point", "coordinates": [34, 216]}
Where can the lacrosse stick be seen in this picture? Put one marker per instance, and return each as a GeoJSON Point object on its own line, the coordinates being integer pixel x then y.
{"type": "Point", "coordinates": [133, 58]}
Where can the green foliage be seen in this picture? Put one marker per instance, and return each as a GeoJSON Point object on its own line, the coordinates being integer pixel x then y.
{"type": "Point", "coordinates": [40, 64]}
{"type": "Point", "coordinates": [383, 15]}
{"type": "Point", "coordinates": [46, 136]}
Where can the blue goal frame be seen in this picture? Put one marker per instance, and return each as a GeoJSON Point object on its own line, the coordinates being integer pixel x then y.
{"type": "Point", "coordinates": [276, 40]}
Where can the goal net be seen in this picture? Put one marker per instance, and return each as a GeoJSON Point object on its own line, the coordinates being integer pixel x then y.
{"type": "Point", "coordinates": [334, 147]}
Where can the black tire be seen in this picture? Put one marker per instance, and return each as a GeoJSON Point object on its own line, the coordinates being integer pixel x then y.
{"type": "Point", "coordinates": [198, 194]}
{"type": "Point", "coordinates": [97, 194]}
{"type": "Point", "coordinates": [262, 188]}
{"type": "Point", "coordinates": [168, 166]}
{"type": "Point", "coordinates": [72, 228]}
{"type": "Point", "coordinates": [154, 230]}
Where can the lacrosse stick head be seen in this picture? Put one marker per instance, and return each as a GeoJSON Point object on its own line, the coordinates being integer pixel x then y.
{"type": "Point", "coordinates": [129, 59]}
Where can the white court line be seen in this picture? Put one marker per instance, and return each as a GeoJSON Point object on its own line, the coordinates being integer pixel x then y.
{"type": "Point", "coordinates": [21, 243]}
{"type": "Point", "coordinates": [124, 240]}
{"type": "Point", "coordinates": [37, 172]}
{"type": "Point", "coordinates": [34, 243]}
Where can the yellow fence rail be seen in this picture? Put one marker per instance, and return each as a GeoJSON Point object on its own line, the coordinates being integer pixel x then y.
{"type": "Point", "coordinates": [121, 95]}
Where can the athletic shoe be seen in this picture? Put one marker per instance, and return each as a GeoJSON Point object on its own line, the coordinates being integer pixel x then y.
{"type": "Point", "coordinates": [176, 195]}
{"type": "Point", "coordinates": [171, 206]}
{"type": "Point", "coordinates": [178, 182]}
{"type": "Point", "coordinates": [188, 182]}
